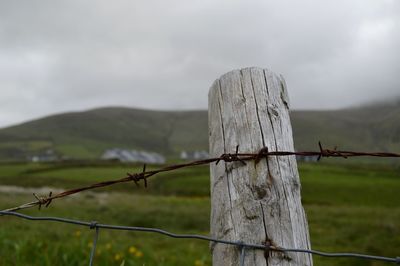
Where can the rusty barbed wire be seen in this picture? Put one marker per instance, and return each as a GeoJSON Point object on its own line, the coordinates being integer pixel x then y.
{"type": "Point", "coordinates": [226, 157]}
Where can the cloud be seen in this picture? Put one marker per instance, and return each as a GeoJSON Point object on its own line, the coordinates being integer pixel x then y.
{"type": "Point", "coordinates": [57, 56]}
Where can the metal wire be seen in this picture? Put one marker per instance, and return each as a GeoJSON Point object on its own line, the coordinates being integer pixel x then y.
{"type": "Point", "coordinates": [227, 157]}
{"type": "Point", "coordinates": [242, 255]}
{"type": "Point", "coordinates": [96, 237]}
{"type": "Point", "coordinates": [241, 245]}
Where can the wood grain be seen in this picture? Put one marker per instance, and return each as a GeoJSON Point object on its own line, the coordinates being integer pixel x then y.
{"type": "Point", "coordinates": [250, 108]}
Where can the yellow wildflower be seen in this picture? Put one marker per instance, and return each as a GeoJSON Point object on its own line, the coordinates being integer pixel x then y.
{"type": "Point", "coordinates": [90, 244]}
{"type": "Point", "coordinates": [77, 233]}
{"type": "Point", "coordinates": [198, 263]}
{"type": "Point", "coordinates": [138, 254]}
{"type": "Point", "coordinates": [108, 246]}
{"type": "Point", "coordinates": [132, 250]}
{"type": "Point", "coordinates": [118, 257]}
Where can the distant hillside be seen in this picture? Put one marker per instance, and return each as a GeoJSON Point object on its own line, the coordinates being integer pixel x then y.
{"type": "Point", "coordinates": [374, 127]}
{"type": "Point", "coordinates": [88, 134]}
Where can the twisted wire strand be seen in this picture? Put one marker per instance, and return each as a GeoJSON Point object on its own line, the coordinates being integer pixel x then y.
{"type": "Point", "coordinates": [239, 244]}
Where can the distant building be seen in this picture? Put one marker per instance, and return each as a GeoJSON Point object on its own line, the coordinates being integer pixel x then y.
{"type": "Point", "coordinates": [47, 156]}
{"type": "Point", "coordinates": [194, 155]}
{"type": "Point", "coordinates": [307, 159]}
{"type": "Point", "coordinates": [123, 155]}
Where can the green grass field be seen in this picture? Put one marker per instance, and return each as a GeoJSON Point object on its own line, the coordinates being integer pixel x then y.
{"type": "Point", "coordinates": [350, 208]}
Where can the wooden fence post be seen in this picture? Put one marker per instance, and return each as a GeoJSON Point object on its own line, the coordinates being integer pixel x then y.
{"type": "Point", "coordinates": [252, 203]}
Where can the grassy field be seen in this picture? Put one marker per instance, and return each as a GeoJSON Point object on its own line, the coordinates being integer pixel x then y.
{"type": "Point", "coordinates": [349, 208]}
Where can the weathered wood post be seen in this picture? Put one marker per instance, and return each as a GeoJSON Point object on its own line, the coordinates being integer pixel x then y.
{"type": "Point", "coordinates": [250, 108]}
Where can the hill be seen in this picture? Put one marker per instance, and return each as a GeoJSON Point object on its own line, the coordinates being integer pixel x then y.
{"type": "Point", "coordinates": [87, 134]}
{"type": "Point", "coordinates": [372, 127]}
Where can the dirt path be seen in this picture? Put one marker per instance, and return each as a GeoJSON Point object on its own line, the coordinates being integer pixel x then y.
{"type": "Point", "coordinates": [5, 189]}
{"type": "Point", "coordinates": [28, 190]}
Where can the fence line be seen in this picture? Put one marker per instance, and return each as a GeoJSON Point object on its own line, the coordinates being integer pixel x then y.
{"type": "Point", "coordinates": [241, 245]}
{"type": "Point", "coordinates": [227, 157]}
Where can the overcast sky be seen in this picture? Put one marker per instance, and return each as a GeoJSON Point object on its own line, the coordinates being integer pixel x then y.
{"type": "Point", "coordinates": [58, 56]}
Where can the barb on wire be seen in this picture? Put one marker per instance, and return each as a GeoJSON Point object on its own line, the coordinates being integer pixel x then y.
{"type": "Point", "coordinates": [43, 200]}
{"type": "Point", "coordinates": [226, 157]}
{"type": "Point", "coordinates": [242, 246]}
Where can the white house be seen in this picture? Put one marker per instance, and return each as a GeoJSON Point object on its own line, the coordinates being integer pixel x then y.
{"type": "Point", "coordinates": [133, 156]}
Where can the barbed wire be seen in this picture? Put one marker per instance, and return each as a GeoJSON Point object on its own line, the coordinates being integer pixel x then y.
{"type": "Point", "coordinates": [241, 245]}
{"type": "Point", "coordinates": [226, 157]}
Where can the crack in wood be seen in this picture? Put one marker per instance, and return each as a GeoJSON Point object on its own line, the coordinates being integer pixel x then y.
{"type": "Point", "coordinates": [252, 111]}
